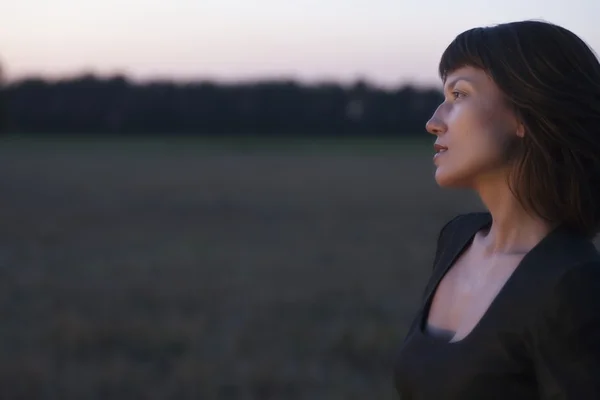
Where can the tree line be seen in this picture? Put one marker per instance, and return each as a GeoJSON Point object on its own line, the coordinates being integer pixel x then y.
{"type": "Point", "coordinates": [116, 105]}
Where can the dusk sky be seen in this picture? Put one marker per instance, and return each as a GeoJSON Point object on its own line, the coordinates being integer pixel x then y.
{"type": "Point", "coordinates": [388, 42]}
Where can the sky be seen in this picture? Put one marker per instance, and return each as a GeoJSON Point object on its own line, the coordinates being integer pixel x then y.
{"type": "Point", "coordinates": [386, 42]}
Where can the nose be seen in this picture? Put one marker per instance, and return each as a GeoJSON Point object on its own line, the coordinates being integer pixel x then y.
{"type": "Point", "coordinates": [435, 125]}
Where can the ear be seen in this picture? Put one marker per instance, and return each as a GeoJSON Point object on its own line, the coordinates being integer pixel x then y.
{"type": "Point", "coordinates": [520, 130]}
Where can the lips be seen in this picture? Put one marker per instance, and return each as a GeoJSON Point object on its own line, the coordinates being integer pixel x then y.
{"type": "Point", "coordinates": [439, 148]}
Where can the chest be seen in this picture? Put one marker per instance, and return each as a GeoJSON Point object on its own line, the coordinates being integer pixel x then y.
{"type": "Point", "coordinates": [488, 357]}
{"type": "Point", "coordinates": [487, 366]}
{"type": "Point", "coordinates": [466, 292]}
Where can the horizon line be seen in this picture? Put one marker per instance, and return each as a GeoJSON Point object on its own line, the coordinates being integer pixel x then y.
{"type": "Point", "coordinates": [369, 81]}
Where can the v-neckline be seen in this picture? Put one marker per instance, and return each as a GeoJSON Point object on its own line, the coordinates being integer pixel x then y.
{"type": "Point", "coordinates": [451, 261]}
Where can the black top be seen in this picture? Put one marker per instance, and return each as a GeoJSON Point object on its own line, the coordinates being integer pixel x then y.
{"type": "Point", "coordinates": [539, 339]}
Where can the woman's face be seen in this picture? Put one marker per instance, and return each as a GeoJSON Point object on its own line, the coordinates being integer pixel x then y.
{"type": "Point", "coordinates": [474, 126]}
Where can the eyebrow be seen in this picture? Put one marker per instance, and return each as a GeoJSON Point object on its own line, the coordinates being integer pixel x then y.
{"type": "Point", "coordinates": [450, 84]}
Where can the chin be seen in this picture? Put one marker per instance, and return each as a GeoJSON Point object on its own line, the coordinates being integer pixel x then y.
{"type": "Point", "coordinates": [452, 179]}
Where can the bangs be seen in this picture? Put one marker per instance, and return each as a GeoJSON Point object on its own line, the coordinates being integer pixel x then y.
{"type": "Point", "coordinates": [468, 49]}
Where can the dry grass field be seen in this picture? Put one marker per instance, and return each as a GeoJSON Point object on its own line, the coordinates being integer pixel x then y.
{"type": "Point", "coordinates": [192, 271]}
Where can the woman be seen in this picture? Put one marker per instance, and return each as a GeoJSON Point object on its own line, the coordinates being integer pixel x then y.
{"type": "Point", "coordinates": [512, 308]}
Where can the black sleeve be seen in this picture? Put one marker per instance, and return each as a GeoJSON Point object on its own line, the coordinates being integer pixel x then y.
{"type": "Point", "coordinates": [443, 238]}
{"type": "Point", "coordinates": [442, 241]}
{"type": "Point", "coordinates": [442, 245]}
{"type": "Point", "coordinates": [566, 337]}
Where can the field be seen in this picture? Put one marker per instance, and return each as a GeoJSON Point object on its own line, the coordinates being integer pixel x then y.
{"type": "Point", "coordinates": [198, 270]}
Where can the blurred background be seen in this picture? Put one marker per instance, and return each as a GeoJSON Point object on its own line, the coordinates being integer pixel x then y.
{"type": "Point", "coordinates": [222, 199]}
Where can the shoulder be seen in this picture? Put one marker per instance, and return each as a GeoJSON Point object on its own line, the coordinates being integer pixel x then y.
{"type": "Point", "coordinates": [459, 230]}
{"type": "Point", "coordinates": [570, 310]}
{"type": "Point", "coordinates": [561, 260]}
{"type": "Point", "coordinates": [563, 344]}
{"type": "Point", "coordinates": [463, 225]}
{"type": "Point", "coordinates": [567, 272]}
{"type": "Point", "coordinates": [576, 290]}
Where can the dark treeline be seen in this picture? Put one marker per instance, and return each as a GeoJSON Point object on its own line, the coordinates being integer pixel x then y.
{"type": "Point", "coordinates": [89, 104]}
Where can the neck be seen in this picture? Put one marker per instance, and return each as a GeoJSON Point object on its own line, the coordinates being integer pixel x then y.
{"type": "Point", "coordinates": [513, 230]}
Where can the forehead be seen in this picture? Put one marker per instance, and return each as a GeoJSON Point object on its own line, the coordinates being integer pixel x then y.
{"type": "Point", "coordinates": [474, 76]}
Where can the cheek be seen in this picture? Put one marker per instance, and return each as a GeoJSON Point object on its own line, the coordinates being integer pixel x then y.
{"type": "Point", "coordinates": [476, 156]}
{"type": "Point", "coordinates": [477, 149]}
{"type": "Point", "coordinates": [484, 151]}
{"type": "Point", "coordinates": [482, 133]}
{"type": "Point", "coordinates": [463, 166]}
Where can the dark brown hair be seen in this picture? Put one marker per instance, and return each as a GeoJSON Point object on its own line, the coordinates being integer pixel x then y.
{"type": "Point", "coordinates": [551, 79]}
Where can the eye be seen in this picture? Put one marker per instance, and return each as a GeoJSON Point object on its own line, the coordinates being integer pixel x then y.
{"type": "Point", "coordinates": [457, 95]}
